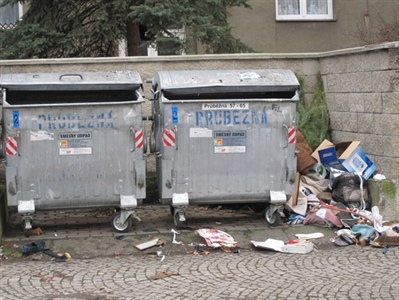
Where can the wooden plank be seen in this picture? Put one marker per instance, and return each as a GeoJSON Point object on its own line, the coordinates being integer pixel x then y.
{"type": "Point", "coordinates": [149, 244]}
{"type": "Point", "coordinates": [296, 190]}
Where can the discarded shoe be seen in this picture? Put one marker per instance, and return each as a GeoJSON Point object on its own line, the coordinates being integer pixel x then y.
{"type": "Point", "coordinates": [33, 247]}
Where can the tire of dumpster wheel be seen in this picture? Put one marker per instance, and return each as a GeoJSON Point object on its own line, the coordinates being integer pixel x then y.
{"type": "Point", "coordinates": [272, 219]}
{"type": "Point", "coordinates": [27, 232]}
{"type": "Point", "coordinates": [118, 226]}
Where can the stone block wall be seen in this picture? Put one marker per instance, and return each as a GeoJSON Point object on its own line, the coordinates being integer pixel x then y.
{"type": "Point", "coordinates": [362, 92]}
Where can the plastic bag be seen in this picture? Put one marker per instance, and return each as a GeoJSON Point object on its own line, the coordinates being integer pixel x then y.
{"type": "Point", "coordinates": [349, 188]}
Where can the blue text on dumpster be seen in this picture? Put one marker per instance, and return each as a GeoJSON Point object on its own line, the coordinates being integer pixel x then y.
{"type": "Point", "coordinates": [75, 121]}
{"type": "Point", "coordinates": [175, 115]}
{"type": "Point", "coordinates": [230, 117]}
{"type": "Point", "coordinates": [15, 118]}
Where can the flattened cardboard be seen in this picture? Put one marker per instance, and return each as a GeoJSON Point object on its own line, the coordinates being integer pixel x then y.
{"type": "Point", "coordinates": [149, 244]}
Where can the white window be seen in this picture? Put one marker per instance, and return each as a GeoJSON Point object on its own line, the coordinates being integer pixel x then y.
{"type": "Point", "coordinates": [9, 15]}
{"type": "Point", "coordinates": [296, 10]}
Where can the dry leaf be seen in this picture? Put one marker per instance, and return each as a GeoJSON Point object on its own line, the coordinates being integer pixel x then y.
{"type": "Point", "coordinates": [160, 275]}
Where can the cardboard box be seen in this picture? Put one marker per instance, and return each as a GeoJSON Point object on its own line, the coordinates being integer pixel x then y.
{"type": "Point", "coordinates": [346, 156]}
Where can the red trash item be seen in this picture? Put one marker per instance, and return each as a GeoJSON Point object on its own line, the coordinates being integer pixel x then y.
{"type": "Point", "coordinates": [215, 238]}
{"type": "Point", "coordinates": [291, 242]}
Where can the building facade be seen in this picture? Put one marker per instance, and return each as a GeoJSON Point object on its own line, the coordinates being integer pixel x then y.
{"type": "Point", "coordinates": [298, 26]}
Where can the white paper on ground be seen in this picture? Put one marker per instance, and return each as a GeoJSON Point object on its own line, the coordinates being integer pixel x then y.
{"type": "Point", "coordinates": [174, 238]}
{"type": "Point", "coordinates": [321, 212]}
{"type": "Point", "coordinates": [306, 236]}
{"type": "Point", "coordinates": [303, 247]}
{"type": "Point", "coordinates": [270, 244]}
{"type": "Point", "coordinates": [278, 245]}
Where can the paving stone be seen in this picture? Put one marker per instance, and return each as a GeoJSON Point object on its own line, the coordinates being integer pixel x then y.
{"type": "Point", "coordinates": [95, 272]}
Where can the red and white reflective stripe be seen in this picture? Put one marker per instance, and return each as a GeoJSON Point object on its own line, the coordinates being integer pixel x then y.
{"type": "Point", "coordinates": [169, 138]}
{"type": "Point", "coordinates": [291, 135]}
{"type": "Point", "coordinates": [139, 138]}
{"type": "Point", "coordinates": [11, 145]}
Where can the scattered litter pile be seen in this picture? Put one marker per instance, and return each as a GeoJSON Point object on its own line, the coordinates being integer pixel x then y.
{"type": "Point", "coordinates": [333, 192]}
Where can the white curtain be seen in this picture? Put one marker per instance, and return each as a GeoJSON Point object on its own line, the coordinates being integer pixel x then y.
{"type": "Point", "coordinates": [288, 7]}
{"type": "Point", "coordinates": [293, 7]}
{"type": "Point", "coordinates": [316, 7]}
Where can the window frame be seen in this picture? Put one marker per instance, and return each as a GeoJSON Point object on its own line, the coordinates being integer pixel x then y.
{"type": "Point", "coordinates": [304, 16]}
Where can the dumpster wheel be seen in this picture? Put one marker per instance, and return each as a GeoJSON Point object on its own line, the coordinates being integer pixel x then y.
{"type": "Point", "coordinates": [27, 232]}
{"type": "Point", "coordinates": [118, 226]}
{"type": "Point", "coordinates": [178, 218]}
{"type": "Point", "coordinates": [273, 217]}
{"type": "Point", "coordinates": [27, 227]}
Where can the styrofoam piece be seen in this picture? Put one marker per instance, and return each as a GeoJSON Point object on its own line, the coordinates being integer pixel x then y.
{"type": "Point", "coordinates": [299, 248]}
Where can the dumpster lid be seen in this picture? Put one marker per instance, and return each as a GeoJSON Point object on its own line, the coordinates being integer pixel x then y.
{"type": "Point", "coordinates": [113, 80]}
{"type": "Point", "coordinates": [228, 84]}
{"type": "Point", "coordinates": [258, 79]}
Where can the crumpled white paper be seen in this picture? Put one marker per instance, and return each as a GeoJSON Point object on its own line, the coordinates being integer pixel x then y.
{"type": "Point", "coordinates": [174, 238]}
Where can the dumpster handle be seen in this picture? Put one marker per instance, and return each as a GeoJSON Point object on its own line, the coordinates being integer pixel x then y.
{"type": "Point", "coordinates": [81, 77]}
{"type": "Point", "coordinates": [134, 140]}
{"type": "Point", "coordinates": [19, 142]}
{"type": "Point", "coordinates": [286, 128]}
{"type": "Point", "coordinates": [176, 136]}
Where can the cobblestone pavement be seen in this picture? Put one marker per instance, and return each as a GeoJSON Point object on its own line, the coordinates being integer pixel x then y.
{"type": "Point", "coordinates": [104, 267]}
{"type": "Point", "coordinates": [353, 272]}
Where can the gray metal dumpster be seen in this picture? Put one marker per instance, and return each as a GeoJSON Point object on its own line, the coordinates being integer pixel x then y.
{"type": "Point", "coordinates": [224, 136]}
{"type": "Point", "coordinates": [73, 141]}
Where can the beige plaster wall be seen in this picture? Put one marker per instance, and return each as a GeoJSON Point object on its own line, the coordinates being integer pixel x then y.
{"type": "Point", "coordinates": [258, 28]}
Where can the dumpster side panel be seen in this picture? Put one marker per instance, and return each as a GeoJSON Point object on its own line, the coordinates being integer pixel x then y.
{"type": "Point", "coordinates": [222, 155]}
{"type": "Point", "coordinates": [75, 157]}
